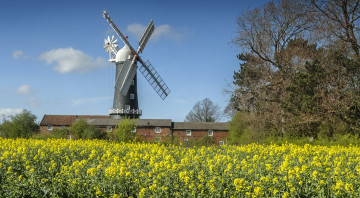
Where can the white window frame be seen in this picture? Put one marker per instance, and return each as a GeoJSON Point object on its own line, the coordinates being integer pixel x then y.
{"type": "Point", "coordinates": [108, 128]}
{"type": "Point", "coordinates": [50, 127]}
{"type": "Point", "coordinates": [133, 130]}
{"type": "Point", "coordinates": [157, 129]}
{"type": "Point", "coordinates": [68, 137]}
{"type": "Point", "coordinates": [210, 133]}
{"type": "Point", "coordinates": [221, 143]}
{"type": "Point", "coordinates": [127, 107]}
{"type": "Point", "coordinates": [132, 96]}
{"type": "Point", "coordinates": [188, 132]}
{"type": "Point", "coordinates": [186, 140]}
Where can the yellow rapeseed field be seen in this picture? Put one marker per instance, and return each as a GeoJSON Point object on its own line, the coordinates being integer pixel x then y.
{"type": "Point", "coordinates": [61, 168]}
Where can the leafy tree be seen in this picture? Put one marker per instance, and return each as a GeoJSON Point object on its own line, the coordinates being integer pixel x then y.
{"type": "Point", "coordinates": [80, 129]}
{"type": "Point", "coordinates": [123, 132]}
{"type": "Point", "coordinates": [204, 111]}
{"type": "Point", "coordinates": [22, 125]}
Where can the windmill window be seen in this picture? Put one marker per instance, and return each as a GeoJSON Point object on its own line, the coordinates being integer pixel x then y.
{"type": "Point", "coordinates": [132, 96]}
{"type": "Point", "coordinates": [50, 127]}
{"type": "Point", "coordinates": [188, 132]}
{"type": "Point", "coordinates": [210, 132]}
{"type": "Point", "coordinates": [127, 107]}
{"type": "Point", "coordinates": [157, 130]}
{"type": "Point", "coordinates": [132, 82]}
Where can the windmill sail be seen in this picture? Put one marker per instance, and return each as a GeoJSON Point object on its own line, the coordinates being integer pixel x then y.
{"type": "Point", "coordinates": [125, 77]}
{"type": "Point", "coordinates": [129, 70]}
{"type": "Point", "coordinates": [128, 79]}
{"type": "Point", "coordinates": [154, 79]}
{"type": "Point", "coordinates": [146, 36]}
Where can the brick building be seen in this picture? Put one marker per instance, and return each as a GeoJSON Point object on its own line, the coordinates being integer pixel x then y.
{"type": "Point", "coordinates": [151, 130]}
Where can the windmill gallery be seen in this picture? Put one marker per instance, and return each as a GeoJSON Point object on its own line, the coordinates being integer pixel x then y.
{"type": "Point", "coordinates": [125, 103]}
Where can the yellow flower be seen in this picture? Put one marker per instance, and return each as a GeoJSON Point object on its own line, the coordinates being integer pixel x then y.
{"type": "Point", "coordinates": [257, 190]}
{"type": "Point", "coordinates": [349, 187]}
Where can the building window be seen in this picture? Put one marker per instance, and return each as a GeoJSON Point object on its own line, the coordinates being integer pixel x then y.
{"type": "Point", "coordinates": [210, 132]}
{"type": "Point", "coordinates": [50, 127]}
{"type": "Point", "coordinates": [133, 130]}
{"type": "Point", "coordinates": [186, 140]}
{"type": "Point", "coordinates": [108, 128]}
{"type": "Point", "coordinates": [68, 137]}
{"type": "Point", "coordinates": [221, 143]}
{"type": "Point", "coordinates": [158, 139]}
{"type": "Point", "coordinates": [157, 130]}
{"type": "Point", "coordinates": [132, 82]}
{"type": "Point", "coordinates": [188, 132]}
{"type": "Point", "coordinates": [127, 107]}
{"type": "Point", "coordinates": [62, 127]}
{"type": "Point", "coordinates": [132, 96]}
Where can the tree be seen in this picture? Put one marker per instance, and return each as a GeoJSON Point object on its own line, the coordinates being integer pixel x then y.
{"type": "Point", "coordinates": [204, 111]}
{"type": "Point", "coordinates": [80, 129]}
{"type": "Point", "coordinates": [22, 125]}
{"type": "Point", "coordinates": [280, 83]}
{"type": "Point", "coordinates": [124, 132]}
{"type": "Point", "coordinates": [338, 19]}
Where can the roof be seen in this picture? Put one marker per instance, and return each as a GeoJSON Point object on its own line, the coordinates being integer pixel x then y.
{"type": "Point", "coordinates": [223, 126]}
{"type": "Point", "coordinates": [140, 122]}
{"type": "Point", "coordinates": [154, 122]}
{"type": "Point", "coordinates": [66, 120]}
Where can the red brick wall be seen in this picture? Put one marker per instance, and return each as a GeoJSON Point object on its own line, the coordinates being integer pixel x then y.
{"type": "Point", "coordinates": [180, 135]}
{"type": "Point", "coordinates": [148, 134]}
{"type": "Point", "coordinates": [44, 129]}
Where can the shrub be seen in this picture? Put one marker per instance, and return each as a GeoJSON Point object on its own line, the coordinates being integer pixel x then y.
{"type": "Point", "coordinates": [122, 132]}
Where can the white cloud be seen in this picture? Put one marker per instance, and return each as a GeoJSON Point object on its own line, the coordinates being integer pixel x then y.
{"type": "Point", "coordinates": [6, 112]}
{"type": "Point", "coordinates": [161, 31]}
{"type": "Point", "coordinates": [18, 54]}
{"type": "Point", "coordinates": [23, 89]}
{"type": "Point", "coordinates": [70, 60]}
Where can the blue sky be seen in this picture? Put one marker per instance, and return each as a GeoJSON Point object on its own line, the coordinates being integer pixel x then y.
{"type": "Point", "coordinates": [52, 59]}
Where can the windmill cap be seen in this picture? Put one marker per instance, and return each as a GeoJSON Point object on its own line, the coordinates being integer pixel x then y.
{"type": "Point", "coordinates": [123, 54]}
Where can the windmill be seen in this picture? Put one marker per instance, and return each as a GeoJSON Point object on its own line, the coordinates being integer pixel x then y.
{"type": "Point", "coordinates": [125, 95]}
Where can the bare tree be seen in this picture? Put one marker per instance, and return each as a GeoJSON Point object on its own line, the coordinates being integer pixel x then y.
{"type": "Point", "coordinates": [267, 30]}
{"type": "Point", "coordinates": [204, 111]}
{"type": "Point", "coordinates": [339, 19]}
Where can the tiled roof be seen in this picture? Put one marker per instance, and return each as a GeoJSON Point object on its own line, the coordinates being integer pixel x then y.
{"type": "Point", "coordinates": [223, 126]}
{"type": "Point", "coordinates": [140, 122]}
{"type": "Point", "coordinates": [154, 122]}
{"type": "Point", "coordinates": [66, 120]}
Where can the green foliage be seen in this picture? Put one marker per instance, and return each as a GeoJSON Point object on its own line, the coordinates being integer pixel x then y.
{"type": "Point", "coordinates": [237, 128]}
{"type": "Point", "coordinates": [77, 129]}
{"type": "Point", "coordinates": [206, 141]}
{"type": "Point", "coordinates": [303, 93]}
{"type": "Point", "coordinates": [21, 125]}
{"type": "Point", "coordinates": [122, 132]}
{"type": "Point", "coordinates": [93, 133]}
{"type": "Point", "coordinates": [60, 133]}
{"type": "Point", "coordinates": [82, 130]}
